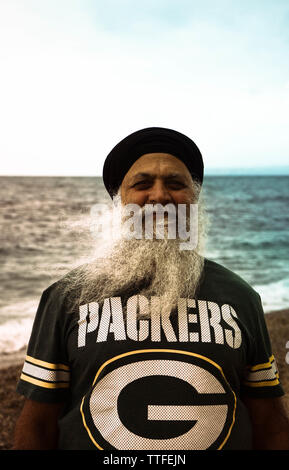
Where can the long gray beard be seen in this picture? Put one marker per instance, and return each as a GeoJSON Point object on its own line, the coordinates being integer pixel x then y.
{"type": "Point", "coordinates": [148, 268]}
{"type": "Point", "coordinates": [142, 267]}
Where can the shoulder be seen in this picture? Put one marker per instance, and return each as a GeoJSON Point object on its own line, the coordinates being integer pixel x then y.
{"type": "Point", "coordinates": [67, 289]}
{"type": "Point", "coordinates": [217, 271]}
{"type": "Point", "coordinates": [222, 280]}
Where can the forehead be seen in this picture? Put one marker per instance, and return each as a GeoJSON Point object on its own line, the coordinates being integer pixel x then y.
{"type": "Point", "coordinates": [158, 164]}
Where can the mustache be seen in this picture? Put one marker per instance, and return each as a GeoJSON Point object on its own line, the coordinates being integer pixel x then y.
{"type": "Point", "coordinates": [178, 222]}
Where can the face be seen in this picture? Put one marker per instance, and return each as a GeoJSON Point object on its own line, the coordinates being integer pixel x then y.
{"type": "Point", "coordinates": [157, 178]}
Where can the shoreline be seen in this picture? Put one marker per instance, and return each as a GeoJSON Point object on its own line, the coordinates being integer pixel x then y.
{"type": "Point", "coordinates": [11, 366]}
{"type": "Point", "coordinates": [12, 359]}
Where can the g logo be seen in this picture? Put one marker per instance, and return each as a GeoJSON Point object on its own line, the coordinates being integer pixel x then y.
{"type": "Point", "coordinates": [159, 400]}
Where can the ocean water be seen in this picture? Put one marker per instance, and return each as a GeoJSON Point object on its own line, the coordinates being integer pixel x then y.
{"type": "Point", "coordinates": [45, 230]}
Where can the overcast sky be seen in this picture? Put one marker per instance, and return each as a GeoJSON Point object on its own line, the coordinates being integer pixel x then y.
{"type": "Point", "coordinates": [78, 75]}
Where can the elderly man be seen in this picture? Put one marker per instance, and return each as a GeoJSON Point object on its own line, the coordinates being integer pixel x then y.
{"type": "Point", "coordinates": [150, 347]}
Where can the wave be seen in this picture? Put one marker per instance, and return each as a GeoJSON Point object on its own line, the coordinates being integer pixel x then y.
{"type": "Point", "coordinates": [16, 322]}
{"type": "Point", "coordinates": [14, 335]}
{"type": "Point", "coordinates": [24, 309]}
{"type": "Point", "coordinates": [275, 296]}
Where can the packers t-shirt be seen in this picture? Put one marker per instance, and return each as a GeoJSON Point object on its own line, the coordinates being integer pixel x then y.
{"type": "Point", "coordinates": [135, 377]}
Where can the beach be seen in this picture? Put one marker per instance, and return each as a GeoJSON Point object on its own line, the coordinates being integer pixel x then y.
{"type": "Point", "coordinates": [11, 364]}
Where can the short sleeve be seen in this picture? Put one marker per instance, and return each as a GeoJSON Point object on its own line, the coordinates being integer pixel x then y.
{"type": "Point", "coordinates": [261, 377]}
{"type": "Point", "coordinates": [45, 375]}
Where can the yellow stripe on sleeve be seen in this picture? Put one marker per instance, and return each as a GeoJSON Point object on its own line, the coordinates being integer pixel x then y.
{"type": "Point", "coordinates": [265, 365]}
{"type": "Point", "coordinates": [43, 384]}
{"type": "Point", "coordinates": [46, 364]}
{"type": "Point", "coordinates": [262, 384]}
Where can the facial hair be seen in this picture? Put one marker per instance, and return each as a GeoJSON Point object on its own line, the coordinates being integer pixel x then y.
{"type": "Point", "coordinates": [148, 267]}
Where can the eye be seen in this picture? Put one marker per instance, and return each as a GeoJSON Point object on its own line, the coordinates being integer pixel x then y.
{"type": "Point", "coordinates": [176, 185]}
{"type": "Point", "coordinates": [143, 184]}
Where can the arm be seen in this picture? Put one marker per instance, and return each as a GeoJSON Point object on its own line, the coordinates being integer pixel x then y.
{"type": "Point", "coordinates": [37, 428]}
{"type": "Point", "coordinates": [270, 423]}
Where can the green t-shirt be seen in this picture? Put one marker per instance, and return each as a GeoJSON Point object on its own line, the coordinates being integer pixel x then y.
{"type": "Point", "coordinates": [134, 377]}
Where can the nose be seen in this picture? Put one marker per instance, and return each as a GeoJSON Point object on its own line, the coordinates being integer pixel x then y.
{"type": "Point", "coordinates": [159, 194]}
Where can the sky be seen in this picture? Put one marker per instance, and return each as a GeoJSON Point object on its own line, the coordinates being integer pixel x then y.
{"type": "Point", "coordinates": [77, 76]}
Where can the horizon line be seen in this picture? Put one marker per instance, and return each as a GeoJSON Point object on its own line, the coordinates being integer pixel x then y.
{"type": "Point", "coordinates": [210, 171]}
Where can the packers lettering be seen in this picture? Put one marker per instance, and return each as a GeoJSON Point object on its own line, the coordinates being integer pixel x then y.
{"type": "Point", "coordinates": [141, 318]}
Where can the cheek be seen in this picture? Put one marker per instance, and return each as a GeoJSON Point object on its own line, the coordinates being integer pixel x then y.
{"type": "Point", "coordinates": [134, 197]}
{"type": "Point", "coordinates": [183, 197]}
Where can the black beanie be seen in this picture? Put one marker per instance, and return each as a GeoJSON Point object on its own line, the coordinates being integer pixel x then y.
{"type": "Point", "coordinates": [150, 140]}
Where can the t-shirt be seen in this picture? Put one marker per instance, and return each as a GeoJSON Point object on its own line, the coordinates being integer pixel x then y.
{"type": "Point", "coordinates": [136, 377]}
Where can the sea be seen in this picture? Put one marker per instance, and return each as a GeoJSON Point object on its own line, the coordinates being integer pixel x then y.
{"type": "Point", "coordinates": [46, 230]}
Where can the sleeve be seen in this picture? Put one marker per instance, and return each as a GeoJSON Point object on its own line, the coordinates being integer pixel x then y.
{"type": "Point", "coordinates": [45, 375]}
{"type": "Point", "coordinates": [261, 377]}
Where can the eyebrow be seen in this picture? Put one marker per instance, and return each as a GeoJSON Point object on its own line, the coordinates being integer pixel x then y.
{"type": "Point", "coordinates": [153, 176]}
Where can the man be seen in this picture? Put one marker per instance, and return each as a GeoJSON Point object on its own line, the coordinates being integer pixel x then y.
{"type": "Point", "coordinates": [149, 346]}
